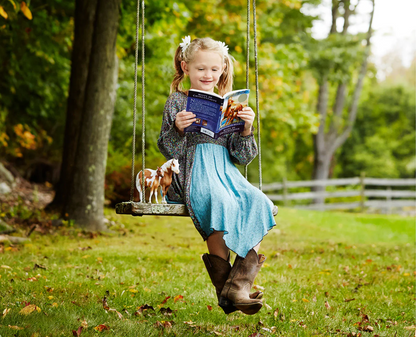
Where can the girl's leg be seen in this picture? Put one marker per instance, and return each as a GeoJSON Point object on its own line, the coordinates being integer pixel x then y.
{"type": "Point", "coordinates": [216, 245]}
{"type": "Point", "coordinates": [256, 248]}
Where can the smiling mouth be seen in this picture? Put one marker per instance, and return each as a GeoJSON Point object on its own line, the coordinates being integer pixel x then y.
{"type": "Point", "coordinates": [206, 82]}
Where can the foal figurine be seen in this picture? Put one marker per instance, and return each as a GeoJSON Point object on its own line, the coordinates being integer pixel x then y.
{"type": "Point", "coordinates": [151, 180]}
{"type": "Point", "coordinates": [168, 168]}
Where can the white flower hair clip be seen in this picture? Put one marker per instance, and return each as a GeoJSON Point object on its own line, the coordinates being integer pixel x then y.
{"type": "Point", "coordinates": [224, 47]}
{"type": "Point", "coordinates": [186, 41]}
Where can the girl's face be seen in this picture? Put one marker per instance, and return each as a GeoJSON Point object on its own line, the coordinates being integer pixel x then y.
{"type": "Point", "coordinates": [204, 70]}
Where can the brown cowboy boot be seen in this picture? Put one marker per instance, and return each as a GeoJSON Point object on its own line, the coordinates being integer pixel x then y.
{"type": "Point", "coordinates": [218, 270]}
{"type": "Point", "coordinates": [239, 282]}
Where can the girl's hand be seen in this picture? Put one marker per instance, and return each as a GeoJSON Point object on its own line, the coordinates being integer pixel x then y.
{"type": "Point", "coordinates": [183, 120]}
{"type": "Point", "coordinates": [247, 115]}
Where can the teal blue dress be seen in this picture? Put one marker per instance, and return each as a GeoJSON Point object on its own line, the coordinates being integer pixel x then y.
{"type": "Point", "coordinates": [223, 200]}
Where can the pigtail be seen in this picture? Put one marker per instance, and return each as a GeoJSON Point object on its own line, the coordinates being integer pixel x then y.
{"type": "Point", "coordinates": [179, 74]}
{"type": "Point", "coordinates": [225, 83]}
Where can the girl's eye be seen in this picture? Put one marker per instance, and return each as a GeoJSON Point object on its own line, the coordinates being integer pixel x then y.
{"type": "Point", "coordinates": [200, 69]}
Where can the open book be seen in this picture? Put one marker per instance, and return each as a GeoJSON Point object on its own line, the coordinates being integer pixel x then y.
{"type": "Point", "coordinates": [216, 115]}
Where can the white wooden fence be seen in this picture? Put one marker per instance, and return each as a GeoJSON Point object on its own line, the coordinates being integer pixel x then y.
{"type": "Point", "coordinates": [363, 196]}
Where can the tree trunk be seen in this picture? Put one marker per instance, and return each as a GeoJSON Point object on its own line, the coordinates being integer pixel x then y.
{"type": "Point", "coordinates": [86, 193]}
{"type": "Point", "coordinates": [81, 50]}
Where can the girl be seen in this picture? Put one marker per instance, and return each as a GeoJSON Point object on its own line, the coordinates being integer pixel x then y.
{"type": "Point", "coordinates": [228, 212]}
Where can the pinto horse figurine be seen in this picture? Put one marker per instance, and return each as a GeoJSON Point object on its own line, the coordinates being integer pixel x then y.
{"type": "Point", "coordinates": [151, 180]}
{"type": "Point", "coordinates": [168, 168]}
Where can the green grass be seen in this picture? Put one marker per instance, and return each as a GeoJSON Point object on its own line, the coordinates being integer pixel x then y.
{"type": "Point", "coordinates": [362, 266]}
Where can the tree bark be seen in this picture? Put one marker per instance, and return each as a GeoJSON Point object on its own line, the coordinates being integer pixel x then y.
{"type": "Point", "coordinates": [85, 203]}
{"type": "Point", "coordinates": [84, 28]}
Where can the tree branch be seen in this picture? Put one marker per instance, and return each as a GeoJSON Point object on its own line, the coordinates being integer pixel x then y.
{"type": "Point", "coordinates": [335, 6]}
{"type": "Point", "coordinates": [347, 13]}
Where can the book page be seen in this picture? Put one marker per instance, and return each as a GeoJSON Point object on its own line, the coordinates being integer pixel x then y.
{"type": "Point", "coordinates": [206, 107]}
{"type": "Point", "coordinates": [234, 102]}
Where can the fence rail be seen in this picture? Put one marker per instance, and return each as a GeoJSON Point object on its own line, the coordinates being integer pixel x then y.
{"type": "Point", "coordinates": [367, 197]}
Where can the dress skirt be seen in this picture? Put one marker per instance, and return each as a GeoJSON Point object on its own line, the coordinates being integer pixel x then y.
{"type": "Point", "coordinates": [223, 200]}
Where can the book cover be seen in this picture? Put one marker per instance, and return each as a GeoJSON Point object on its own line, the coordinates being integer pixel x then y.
{"type": "Point", "coordinates": [216, 115]}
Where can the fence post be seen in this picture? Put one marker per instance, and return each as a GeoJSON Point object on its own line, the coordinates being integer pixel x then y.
{"type": "Point", "coordinates": [362, 194]}
{"type": "Point", "coordinates": [388, 199]}
{"type": "Point", "coordinates": [285, 202]}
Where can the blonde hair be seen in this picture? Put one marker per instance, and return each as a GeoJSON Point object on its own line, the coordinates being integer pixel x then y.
{"type": "Point", "coordinates": [225, 83]}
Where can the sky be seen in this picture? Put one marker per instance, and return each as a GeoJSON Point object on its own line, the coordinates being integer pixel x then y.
{"type": "Point", "coordinates": [394, 27]}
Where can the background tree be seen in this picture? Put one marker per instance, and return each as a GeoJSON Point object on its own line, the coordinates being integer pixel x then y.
{"type": "Point", "coordinates": [334, 64]}
{"type": "Point", "coordinates": [85, 12]}
{"type": "Point", "coordinates": [85, 201]}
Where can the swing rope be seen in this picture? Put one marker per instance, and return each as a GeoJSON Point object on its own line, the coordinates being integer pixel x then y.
{"type": "Point", "coordinates": [257, 93]}
{"type": "Point", "coordinates": [247, 61]}
{"type": "Point", "coordinates": [143, 92]}
{"type": "Point", "coordinates": [143, 107]}
{"type": "Point", "coordinates": [133, 150]}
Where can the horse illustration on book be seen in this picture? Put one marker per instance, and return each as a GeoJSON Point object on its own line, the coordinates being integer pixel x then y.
{"type": "Point", "coordinates": [162, 177]}
{"type": "Point", "coordinates": [231, 111]}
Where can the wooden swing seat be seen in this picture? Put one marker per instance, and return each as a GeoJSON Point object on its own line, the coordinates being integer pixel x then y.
{"type": "Point", "coordinates": [139, 209]}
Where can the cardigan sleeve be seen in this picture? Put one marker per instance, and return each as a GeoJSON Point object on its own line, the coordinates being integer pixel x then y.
{"type": "Point", "coordinates": [171, 144]}
{"type": "Point", "coordinates": [243, 149]}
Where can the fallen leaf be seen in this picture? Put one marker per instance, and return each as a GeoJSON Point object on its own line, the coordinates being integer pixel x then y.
{"type": "Point", "coordinates": [25, 10]}
{"type": "Point", "coordinates": [118, 314]}
{"type": "Point", "coordinates": [276, 313]}
{"type": "Point", "coordinates": [105, 305]}
{"type": "Point", "coordinates": [209, 307]}
{"type": "Point", "coordinates": [36, 266]}
{"type": "Point", "coordinates": [54, 304]}
{"type": "Point", "coordinates": [165, 300]}
{"type": "Point", "coordinates": [3, 12]}
{"type": "Point", "coordinates": [6, 311]}
{"type": "Point", "coordinates": [177, 298]}
{"type": "Point", "coordinates": [163, 324]}
{"type": "Point", "coordinates": [77, 333]}
{"type": "Point", "coordinates": [305, 300]}
{"type": "Point", "coordinates": [327, 305]}
{"type": "Point", "coordinates": [411, 327]}
{"type": "Point", "coordinates": [166, 311]}
{"type": "Point", "coordinates": [14, 327]}
{"type": "Point", "coordinates": [142, 309]}
{"type": "Point", "coordinates": [368, 328]}
{"type": "Point", "coordinates": [268, 307]}
{"type": "Point", "coordinates": [5, 267]}
{"type": "Point", "coordinates": [133, 290]}
{"type": "Point", "coordinates": [29, 309]}
{"type": "Point", "coordinates": [101, 327]}
{"type": "Point", "coordinates": [349, 299]}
